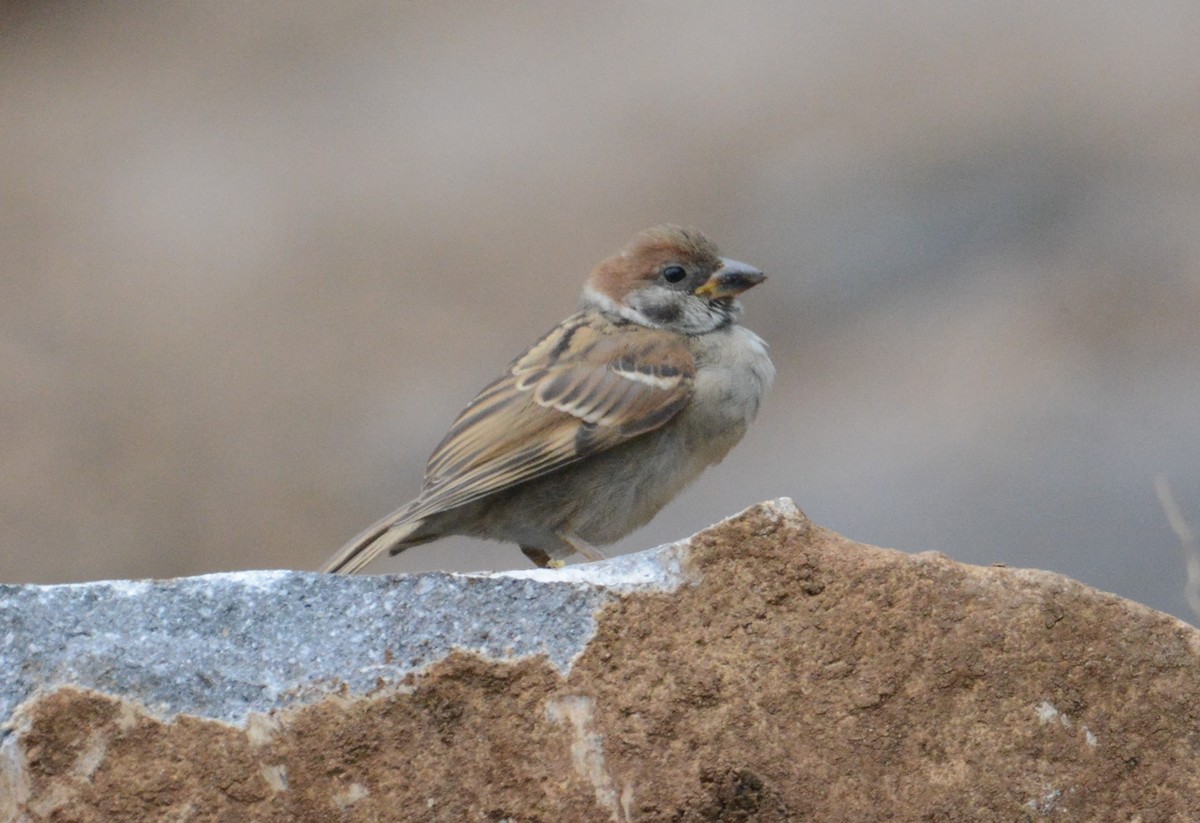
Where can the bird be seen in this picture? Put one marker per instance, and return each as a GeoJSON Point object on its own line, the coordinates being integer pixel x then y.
{"type": "Point", "coordinates": [602, 421]}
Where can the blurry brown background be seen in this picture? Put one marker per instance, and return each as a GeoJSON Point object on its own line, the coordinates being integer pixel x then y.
{"type": "Point", "coordinates": [257, 256]}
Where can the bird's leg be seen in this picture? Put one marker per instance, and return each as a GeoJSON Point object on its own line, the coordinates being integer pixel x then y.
{"type": "Point", "coordinates": [541, 558]}
{"type": "Point", "coordinates": [582, 546]}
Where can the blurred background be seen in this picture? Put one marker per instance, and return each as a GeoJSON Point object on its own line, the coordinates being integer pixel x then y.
{"type": "Point", "coordinates": [255, 257]}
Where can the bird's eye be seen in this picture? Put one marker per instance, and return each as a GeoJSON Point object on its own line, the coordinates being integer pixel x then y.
{"type": "Point", "coordinates": [673, 274]}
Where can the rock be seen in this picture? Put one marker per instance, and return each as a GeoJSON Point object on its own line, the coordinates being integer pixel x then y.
{"type": "Point", "coordinates": [764, 670]}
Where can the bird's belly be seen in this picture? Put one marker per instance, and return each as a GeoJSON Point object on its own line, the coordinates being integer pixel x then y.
{"type": "Point", "coordinates": [607, 496]}
{"type": "Point", "coordinates": [633, 483]}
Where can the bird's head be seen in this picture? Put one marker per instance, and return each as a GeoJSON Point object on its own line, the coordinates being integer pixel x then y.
{"type": "Point", "coordinates": [671, 278]}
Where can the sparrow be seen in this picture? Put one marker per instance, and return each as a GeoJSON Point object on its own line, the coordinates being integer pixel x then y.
{"type": "Point", "coordinates": [601, 422]}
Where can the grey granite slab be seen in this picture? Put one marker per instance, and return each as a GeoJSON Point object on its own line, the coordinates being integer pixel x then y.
{"type": "Point", "coordinates": [224, 645]}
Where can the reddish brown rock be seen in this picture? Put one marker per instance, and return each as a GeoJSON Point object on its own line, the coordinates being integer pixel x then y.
{"type": "Point", "coordinates": [800, 676]}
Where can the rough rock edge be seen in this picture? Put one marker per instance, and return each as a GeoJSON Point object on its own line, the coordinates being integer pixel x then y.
{"type": "Point", "coordinates": [660, 569]}
{"type": "Point", "coordinates": [590, 586]}
{"type": "Point", "coordinates": [803, 676]}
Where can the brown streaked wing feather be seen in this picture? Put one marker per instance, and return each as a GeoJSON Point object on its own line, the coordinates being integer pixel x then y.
{"type": "Point", "coordinates": [585, 387]}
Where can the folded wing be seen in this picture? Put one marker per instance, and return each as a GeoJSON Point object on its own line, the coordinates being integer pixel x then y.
{"type": "Point", "coordinates": [585, 387]}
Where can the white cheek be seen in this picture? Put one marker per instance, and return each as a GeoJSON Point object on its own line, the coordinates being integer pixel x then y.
{"type": "Point", "coordinates": [671, 309]}
{"type": "Point", "coordinates": [657, 307]}
{"type": "Point", "coordinates": [651, 301]}
{"type": "Point", "coordinates": [601, 301]}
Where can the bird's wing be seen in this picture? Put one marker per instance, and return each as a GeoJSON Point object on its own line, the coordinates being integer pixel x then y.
{"type": "Point", "coordinates": [585, 387]}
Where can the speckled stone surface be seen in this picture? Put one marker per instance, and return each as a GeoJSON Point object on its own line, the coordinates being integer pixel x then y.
{"type": "Point", "coordinates": [223, 645]}
{"type": "Point", "coordinates": [796, 675]}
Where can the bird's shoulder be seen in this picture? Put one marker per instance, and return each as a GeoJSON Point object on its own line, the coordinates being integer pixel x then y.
{"type": "Point", "coordinates": [590, 344]}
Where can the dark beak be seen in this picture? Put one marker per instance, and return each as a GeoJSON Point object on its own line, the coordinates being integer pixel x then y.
{"type": "Point", "coordinates": [730, 280]}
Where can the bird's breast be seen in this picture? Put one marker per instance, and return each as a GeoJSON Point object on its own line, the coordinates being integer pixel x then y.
{"type": "Point", "coordinates": [733, 372]}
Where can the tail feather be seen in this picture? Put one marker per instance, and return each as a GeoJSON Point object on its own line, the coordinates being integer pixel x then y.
{"type": "Point", "coordinates": [392, 534]}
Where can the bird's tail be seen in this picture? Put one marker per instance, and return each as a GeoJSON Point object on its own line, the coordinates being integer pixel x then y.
{"type": "Point", "coordinates": [392, 534]}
